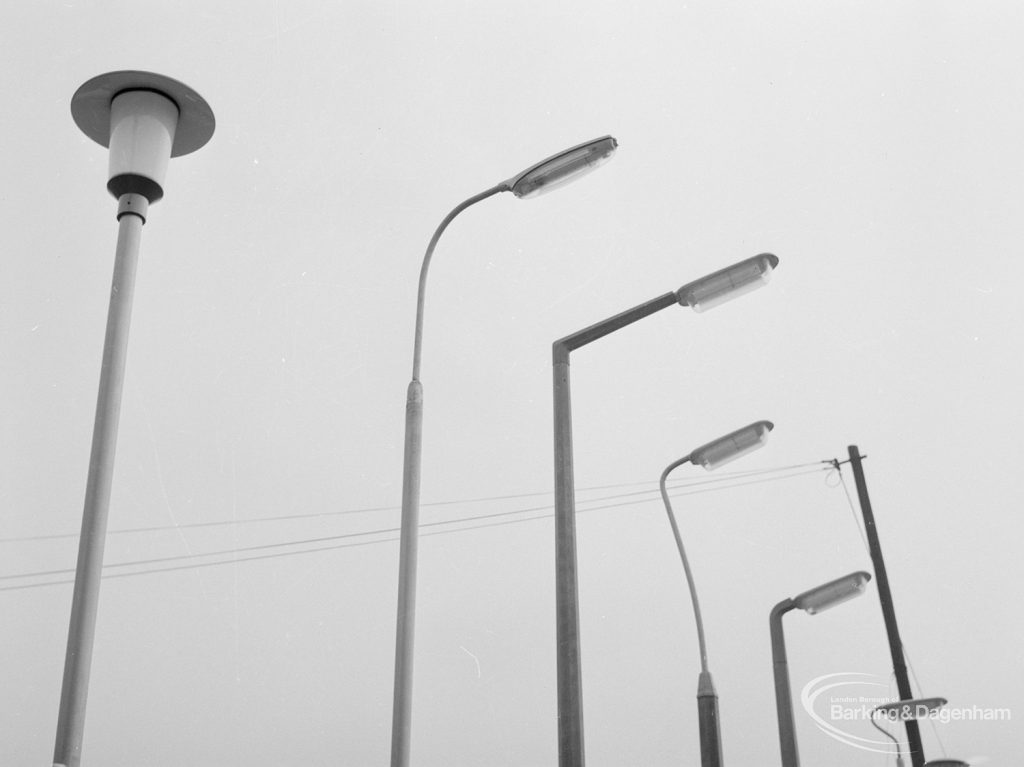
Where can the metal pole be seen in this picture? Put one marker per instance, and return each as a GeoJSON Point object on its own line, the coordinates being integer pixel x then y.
{"type": "Point", "coordinates": [567, 611]}
{"type": "Point", "coordinates": [67, 752]}
{"type": "Point", "coordinates": [401, 716]}
{"type": "Point", "coordinates": [783, 696]}
{"type": "Point", "coordinates": [707, 698]}
{"type": "Point", "coordinates": [710, 725]}
{"type": "Point", "coordinates": [570, 682]}
{"type": "Point", "coordinates": [888, 611]}
{"type": "Point", "coordinates": [407, 558]}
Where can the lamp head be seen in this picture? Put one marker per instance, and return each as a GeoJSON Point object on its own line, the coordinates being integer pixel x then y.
{"type": "Point", "coordinates": [561, 168]}
{"type": "Point", "coordinates": [912, 708]}
{"type": "Point", "coordinates": [145, 119]}
{"type": "Point", "coordinates": [729, 283]}
{"type": "Point", "coordinates": [833, 592]}
{"type": "Point", "coordinates": [732, 445]}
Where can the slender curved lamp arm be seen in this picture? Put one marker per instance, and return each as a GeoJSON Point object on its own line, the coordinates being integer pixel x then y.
{"type": "Point", "coordinates": [686, 563]}
{"type": "Point", "coordinates": [890, 736]}
{"type": "Point", "coordinates": [421, 294]}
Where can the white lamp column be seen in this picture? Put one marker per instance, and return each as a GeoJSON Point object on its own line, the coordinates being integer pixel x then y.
{"type": "Point", "coordinates": [144, 119]}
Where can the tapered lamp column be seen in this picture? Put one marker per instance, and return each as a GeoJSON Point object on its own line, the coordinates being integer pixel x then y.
{"type": "Point", "coordinates": [813, 601]}
{"type": "Point", "coordinates": [546, 175]}
{"type": "Point", "coordinates": [144, 119]}
{"type": "Point", "coordinates": [709, 291]}
{"type": "Point", "coordinates": [710, 456]}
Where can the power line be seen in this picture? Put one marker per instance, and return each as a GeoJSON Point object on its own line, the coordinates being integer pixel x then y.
{"type": "Point", "coordinates": [342, 512]}
{"type": "Point", "coordinates": [849, 500]}
{"type": "Point", "coordinates": [382, 531]}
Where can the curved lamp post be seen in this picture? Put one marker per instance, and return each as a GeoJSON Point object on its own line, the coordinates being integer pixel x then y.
{"type": "Point", "coordinates": [901, 711]}
{"type": "Point", "coordinates": [813, 602]}
{"type": "Point", "coordinates": [709, 291]}
{"type": "Point", "coordinates": [710, 456]}
{"type": "Point", "coordinates": [145, 119]}
{"type": "Point", "coordinates": [548, 174]}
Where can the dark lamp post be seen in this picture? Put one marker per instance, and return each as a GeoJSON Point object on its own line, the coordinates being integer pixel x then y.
{"type": "Point", "coordinates": [742, 277]}
{"type": "Point", "coordinates": [814, 601]}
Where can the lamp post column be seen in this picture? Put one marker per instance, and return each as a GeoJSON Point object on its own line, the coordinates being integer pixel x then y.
{"type": "Point", "coordinates": [550, 173]}
{"type": "Point", "coordinates": [569, 666]}
{"type": "Point", "coordinates": [570, 682]}
{"type": "Point", "coordinates": [412, 461]}
{"type": "Point", "coordinates": [145, 119]}
{"type": "Point", "coordinates": [812, 602]}
{"type": "Point", "coordinates": [85, 600]}
{"type": "Point", "coordinates": [712, 290]}
{"type": "Point", "coordinates": [783, 696]}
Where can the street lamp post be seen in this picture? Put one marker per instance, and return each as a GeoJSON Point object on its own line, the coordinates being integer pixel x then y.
{"type": "Point", "coordinates": [901, 711]}
{"type": "Point", "coordinates": [813, 601]}
{"type": "Point", "coordinates": [710, 456]}
{"type": "Point", "coordinates": [145, 119]}
{"type": "Point", "coordinates": [707, 292]}
{"type": "Point", "coordinates": [548, 174]}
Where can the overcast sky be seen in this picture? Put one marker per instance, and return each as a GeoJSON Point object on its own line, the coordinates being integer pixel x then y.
{"type": "Point", "coordinates": [874, 147]}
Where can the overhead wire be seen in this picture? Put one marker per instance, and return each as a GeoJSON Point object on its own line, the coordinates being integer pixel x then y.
{"type": "Point", "coordinates": [836, 466]}
{"type": "Point", "coordinates": [391, 530]}
{"type": "Point", "coordinates": [724, 477]}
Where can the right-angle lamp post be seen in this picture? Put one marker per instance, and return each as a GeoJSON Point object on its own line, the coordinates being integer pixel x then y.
{"type": "Point", "coordinates": [814, 601]}
{"type": "Point", "coordinates": [707, 292]}
{"type": "Point", "coordinates": [710, 456]}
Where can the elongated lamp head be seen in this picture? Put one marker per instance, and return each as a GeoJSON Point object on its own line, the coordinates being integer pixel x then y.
{"type": "Point", "coordinates": [729, 283]}
{"type": "Point", "coordinates": [913, 708]}
{"type": "Point", "coordinates": [732, 445]}
{"type": "Point", "coordinates": [946, 763]}
{"type": "Point", "coordinates": [833, 592]}
{"type": "Point", "coordinates": [563, 167]}
{"type": "Point", "coordinates": [145, 119]}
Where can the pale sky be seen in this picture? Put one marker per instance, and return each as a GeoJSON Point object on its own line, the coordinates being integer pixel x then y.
{"type": "Point", "coordinates": [874, 147]}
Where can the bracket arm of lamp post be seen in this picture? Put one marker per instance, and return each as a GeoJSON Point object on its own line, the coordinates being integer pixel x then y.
{"type": "Point", "coordinates": [561, 348]}
{"type": "Point", "coordinates": [422, 290]}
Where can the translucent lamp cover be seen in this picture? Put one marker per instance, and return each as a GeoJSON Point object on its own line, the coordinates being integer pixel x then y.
{"type": "Point", "coordinates": [563, 167]}
{"type": "Point", "coordinates": [833, 592]}
{"type": "Point", "coordinates": [914, 708]}
{"type": "Point", "coordinates": [142, 125]}
{"type": "Point", "coordinates": [729, 283]}
{"type": "Point", "coordinates": [731, 446]}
